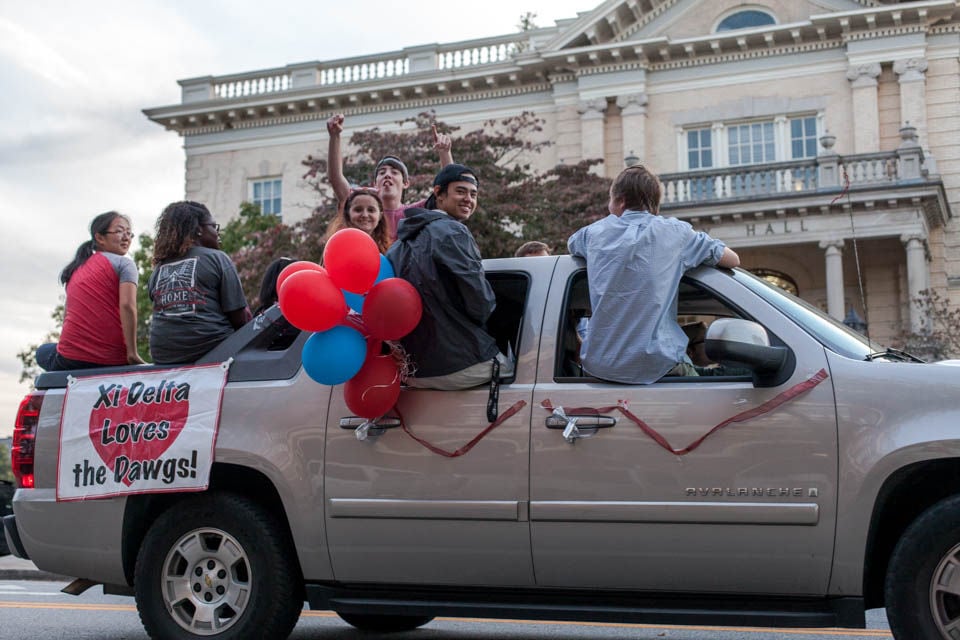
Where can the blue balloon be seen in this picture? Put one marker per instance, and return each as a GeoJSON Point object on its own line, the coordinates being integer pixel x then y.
{"type": "Point", "coordinates": [354, 300]}
{"type": "Point", "coordinates": [334, 356]}
{"type": "Point", "coordinates": [386, 270]}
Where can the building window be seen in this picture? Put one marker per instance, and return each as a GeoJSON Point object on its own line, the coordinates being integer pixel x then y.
{"type": "Point", "coordinates": [267, 194]}
{"type": "Point", "coordinates": [746, 20]}
{"type": "Point", "coordinates": [751, 143]}
{"type": "Point", "coordinates": [699, 149]}
{"type": "Point", "coordinates": [780, 138]}
{"type": "Point", "coordinates": [803, 137]}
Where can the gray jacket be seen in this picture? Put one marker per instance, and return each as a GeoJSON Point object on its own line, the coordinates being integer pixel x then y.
{"type": "Point", "coordinates": [439, 257]}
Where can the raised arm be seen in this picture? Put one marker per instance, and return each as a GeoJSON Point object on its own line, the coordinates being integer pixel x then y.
{"type": "Point", "coordinates": [341, 188]}
{"type": "Point", "coordinates": [444, 146]}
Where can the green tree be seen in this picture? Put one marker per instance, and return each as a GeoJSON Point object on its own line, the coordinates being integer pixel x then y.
{"type": "Point", "coordinates": [241, 232]}
{"type": "Point", "coordinates": [143, 258]}
{"type": "Point", "coordinates": [6, 473]}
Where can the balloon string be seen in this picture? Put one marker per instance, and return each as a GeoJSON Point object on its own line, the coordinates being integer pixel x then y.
{"type": "Point", "coordinates": [743, 416]}
{"type": "Point", "coordinates": [520, 404]}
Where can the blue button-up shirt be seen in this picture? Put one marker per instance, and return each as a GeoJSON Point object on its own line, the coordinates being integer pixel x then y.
{"type": "Point", "coordinates": [634, 265]}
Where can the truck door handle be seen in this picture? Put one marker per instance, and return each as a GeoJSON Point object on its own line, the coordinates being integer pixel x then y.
{"type": "Point", "coordinates": [577, 426]}
{"type": "Point", "coordinates": [352, 422]}
{"type": "Point", "coordinates": [590, 421]}
{"type": "Point", "coordinates": [364, 428]}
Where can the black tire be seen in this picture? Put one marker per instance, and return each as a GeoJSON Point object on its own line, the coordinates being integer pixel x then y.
{"type": "Point", "coordinates": [217, 566]}
{"type": "Point", "coordinates": [379, 623]}
{"type": "Point", "coordinates": [919, 606]}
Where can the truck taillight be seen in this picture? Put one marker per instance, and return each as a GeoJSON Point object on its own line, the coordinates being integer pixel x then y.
{"type": "Point", "coordinates": [24, 433]}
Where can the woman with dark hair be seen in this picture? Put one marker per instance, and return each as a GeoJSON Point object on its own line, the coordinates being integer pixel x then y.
{"type": "Point", "coordinates": [268, 286]}
{"type": "Point", "coordinates": [363, 209]}
{"type": "Point", "coordinates": [197, 297]}
{"type": "Point", "coordinates": [100, 318]}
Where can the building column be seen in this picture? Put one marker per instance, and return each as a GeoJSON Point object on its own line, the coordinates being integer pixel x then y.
{"type": "Point", "coordinates": [835, 292]}
{"type": "Point", "coordinates": [591, 132]}
{"type": "Point", "coordinates": [866, 112]}
{"type": "Point", "coordinates": [913, 95]}
{"type": "Point", "coordinates": [916, 277]}
{"type": "Point", "coordinates": [633, 123]}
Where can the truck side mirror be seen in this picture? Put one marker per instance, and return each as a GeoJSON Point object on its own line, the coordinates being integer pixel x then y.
{"type": "Point", "coordinates": [742, 343]}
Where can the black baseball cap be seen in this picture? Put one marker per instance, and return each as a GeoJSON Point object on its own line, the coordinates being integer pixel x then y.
{"type": "Point", "coordinates": [394, 162]}
{"type": "Point", "coordinates": [456, 173]}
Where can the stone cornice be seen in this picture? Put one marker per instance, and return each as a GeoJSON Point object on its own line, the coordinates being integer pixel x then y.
{"type": "Point", "coordinates": [304, 93]}
{"type": "Point", "coordinates": [227, 118]}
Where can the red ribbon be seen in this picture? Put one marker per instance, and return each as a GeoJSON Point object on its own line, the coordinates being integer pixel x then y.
{"type": "Point", "coordinates": [766, 407]}
{"type": "Point", "coordinates": [520, 404]}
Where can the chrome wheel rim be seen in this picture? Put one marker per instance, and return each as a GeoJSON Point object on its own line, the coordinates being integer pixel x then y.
{"type": "Point", "coordinates": [945, 595]}
{"type": "Point", "coordinates": [206, 581]}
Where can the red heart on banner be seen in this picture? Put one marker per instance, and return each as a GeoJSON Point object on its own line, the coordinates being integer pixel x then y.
{"type": "Point", "coordinates": [138, 432]}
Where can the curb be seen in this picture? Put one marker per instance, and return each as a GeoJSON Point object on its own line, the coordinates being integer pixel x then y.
{"type": "Point", "coordinates": [34, 574]}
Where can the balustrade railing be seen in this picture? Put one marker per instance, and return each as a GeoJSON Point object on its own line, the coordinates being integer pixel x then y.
{"type": "Point", "coordinates": [472, 53]}
{"type": "Point", "coordinates": [252, 86]}
{"type": "Point", "coordinates": [781, 178]}
{"type": "Point", "coordinates": [747, 181]}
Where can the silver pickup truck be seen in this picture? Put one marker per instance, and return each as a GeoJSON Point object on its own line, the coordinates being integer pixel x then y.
{"type": "Point", "coordinates": [835, 487]}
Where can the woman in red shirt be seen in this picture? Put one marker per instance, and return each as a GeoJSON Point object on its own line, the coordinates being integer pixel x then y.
{"type": "Point", "coordinates": [100, 319]}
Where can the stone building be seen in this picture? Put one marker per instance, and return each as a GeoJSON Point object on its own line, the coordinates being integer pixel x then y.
{"type": "Point", "coordinates": [818, 138]}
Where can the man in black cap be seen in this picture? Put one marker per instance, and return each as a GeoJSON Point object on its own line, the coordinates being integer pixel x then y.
{"type": "Point", "coordinates": [436, 253]}
{"type": "Point", "coordinates": [390, 177]}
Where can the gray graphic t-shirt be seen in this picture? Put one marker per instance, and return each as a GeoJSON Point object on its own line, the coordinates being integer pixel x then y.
{"type": "Point", "coordinates": [192, 296]}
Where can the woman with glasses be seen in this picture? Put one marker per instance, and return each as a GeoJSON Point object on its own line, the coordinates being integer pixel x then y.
{"type": "Point", "coordinates": [197, 297]}
{"type": "Point", "coordinates": [100, 315]}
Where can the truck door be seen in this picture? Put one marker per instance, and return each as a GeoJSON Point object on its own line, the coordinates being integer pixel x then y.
{"type": "Point", "coordinates": [752, 509]}
{"type": "Point", "coordinates": [397, 512]}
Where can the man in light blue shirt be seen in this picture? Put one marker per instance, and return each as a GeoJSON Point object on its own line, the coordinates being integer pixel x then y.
{"type": "Point", "coordinates": [635, 259]}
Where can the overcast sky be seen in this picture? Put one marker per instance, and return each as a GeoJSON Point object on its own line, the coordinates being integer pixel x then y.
{"type": "Point", "coordinates": [74, 77]}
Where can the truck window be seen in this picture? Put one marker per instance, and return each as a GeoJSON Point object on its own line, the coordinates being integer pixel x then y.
{"type": "Point", "coordinates": [697, 308]}
{"type": "Point", "coordinates": [506, 320]}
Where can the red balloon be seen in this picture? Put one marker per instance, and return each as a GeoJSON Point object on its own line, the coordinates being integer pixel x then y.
{"type": "Point", "coordinates": [352, 259]}
{"type": "Point", "coordinates": [293, 267]}
{"type": "Point", "coordinates": [392, 309]}
{"type": "Point", "coordinates": [374, 389]}
{"type": "Point", "coordinates": [310, 301]}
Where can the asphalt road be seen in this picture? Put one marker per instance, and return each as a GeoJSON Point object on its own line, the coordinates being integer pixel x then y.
{"type": "Point", "coordinates": [36, 610]}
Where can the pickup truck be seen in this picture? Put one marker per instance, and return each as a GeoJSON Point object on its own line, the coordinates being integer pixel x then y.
{"type": "Point", "coordinates": [829, 484]}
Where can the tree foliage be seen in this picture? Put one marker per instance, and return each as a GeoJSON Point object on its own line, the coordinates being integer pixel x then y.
{"type": "Point", "coordinates": [6, 472]}
{"type": "Point", "coordinates": [516, 204]}
{"type": "Point", "coordinates": [940, 337]}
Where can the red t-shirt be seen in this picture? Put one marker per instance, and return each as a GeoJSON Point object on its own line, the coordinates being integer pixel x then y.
{"type": "Point", "coordinates": [394, 216]}
{"type": "Point", "coordinates": [91, 324]}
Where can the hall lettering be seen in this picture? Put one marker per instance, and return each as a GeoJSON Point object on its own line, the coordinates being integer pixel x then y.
{"type": "Point", "coordinates": [774, 228]}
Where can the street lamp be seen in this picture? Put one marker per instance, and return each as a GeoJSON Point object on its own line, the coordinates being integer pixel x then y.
{"type": "Point", "coordinates": [855, 322]}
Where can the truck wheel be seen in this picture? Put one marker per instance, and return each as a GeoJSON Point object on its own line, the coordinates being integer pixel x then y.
{"type": "Point", "coordinates": [923, 577]}
{"type": "Point", "coordinates": [384, 623]}
{"type": "Point", "coordinates": [217, 566]}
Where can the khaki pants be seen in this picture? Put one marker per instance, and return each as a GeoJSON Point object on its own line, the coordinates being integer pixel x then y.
{"type": "Point", "coordinates": [472, 376]}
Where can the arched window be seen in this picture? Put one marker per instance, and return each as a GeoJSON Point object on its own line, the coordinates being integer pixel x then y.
{"type": "Point", "coordinates": [745, 20]}
{"type": "Point", "coordinates": [778, 278]}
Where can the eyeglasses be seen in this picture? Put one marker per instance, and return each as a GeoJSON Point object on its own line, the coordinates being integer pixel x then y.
{"type": "Point", "coordinates": [124, 233]}
{"type": "Point", "coordinates": [216, 227]}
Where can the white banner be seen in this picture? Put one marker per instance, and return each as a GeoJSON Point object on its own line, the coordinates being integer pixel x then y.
{"type": "Point", "coordinates": [139, 432]}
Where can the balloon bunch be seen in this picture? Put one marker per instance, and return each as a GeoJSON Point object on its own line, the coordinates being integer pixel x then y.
{"type": "Point", "coordinates": [345, 348]}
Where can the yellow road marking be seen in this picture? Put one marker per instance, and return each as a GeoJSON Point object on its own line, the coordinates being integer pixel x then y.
{"type": "Point", "coordinates": [832, 631]}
